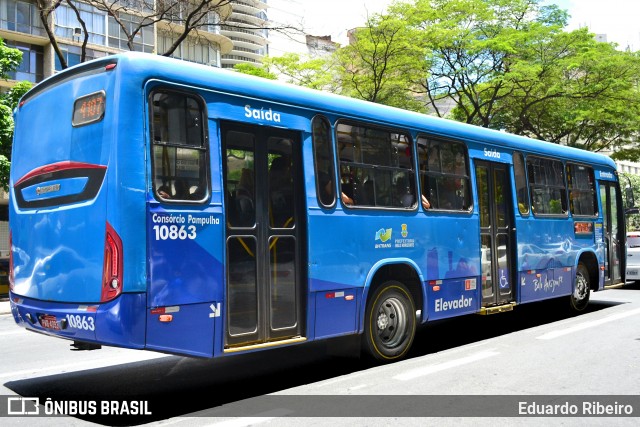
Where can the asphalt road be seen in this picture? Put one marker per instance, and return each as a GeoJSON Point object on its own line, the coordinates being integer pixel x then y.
{"type": "Point", "coordinates": [458, 369]}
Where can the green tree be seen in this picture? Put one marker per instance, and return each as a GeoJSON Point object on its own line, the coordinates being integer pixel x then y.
{"type": "Point", "coordinates": [509, 64]}
{"type": "Point", "coordinates": [633, 220]}
{"type": "Point", "coordinates": [9, 60]}
{"type": "Point", "coordinates": [254, 70]}
{"type": "Point", "coordinates": [314, 73]}
{"type": "Point", "coordinates": [8, 102]}
{"type": "Point", "coordinates": [382, 63]}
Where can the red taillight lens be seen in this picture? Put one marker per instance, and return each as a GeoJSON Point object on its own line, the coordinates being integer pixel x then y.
{"type": "Point", "coordinates": [10, 260]}
{"type": "Point", "coordinates": [112, 269]}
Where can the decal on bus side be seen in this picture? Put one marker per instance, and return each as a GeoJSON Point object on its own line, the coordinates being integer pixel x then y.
{"type": "Point", "coordinates": [261, 114]}
{"type": "Point", "coordinates": [172, 227]}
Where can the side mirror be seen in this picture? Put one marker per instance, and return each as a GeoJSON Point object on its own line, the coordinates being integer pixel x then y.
{"type": "Point", "coordinates": [629, 196]}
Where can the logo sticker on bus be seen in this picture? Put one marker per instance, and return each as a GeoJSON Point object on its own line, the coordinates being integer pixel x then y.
{"type": "Point", "coordinates": [404, 242]}
{"type": "Point", "coordinates": [384, 235]}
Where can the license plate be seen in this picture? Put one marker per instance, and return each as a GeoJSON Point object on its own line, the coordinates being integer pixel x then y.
{"type": "Point", "coordinates": [48, 321]}
{"type": "Point", "coordinates": [632, 272]}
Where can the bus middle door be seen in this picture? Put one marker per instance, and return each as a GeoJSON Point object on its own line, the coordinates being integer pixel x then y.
{"type": "Point", "coordinates": [264, 289]}
{"type": "Point", "coordinates": [496, 224]}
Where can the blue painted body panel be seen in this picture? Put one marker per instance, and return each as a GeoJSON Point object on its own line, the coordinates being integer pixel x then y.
{"type": "Point", "coordinates": [58, 251]}
{"type": "Point", "coordinates": [117, 323]}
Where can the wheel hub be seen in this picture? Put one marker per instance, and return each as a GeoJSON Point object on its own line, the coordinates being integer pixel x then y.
{"type": "Point", "coordinates": [383, 321]}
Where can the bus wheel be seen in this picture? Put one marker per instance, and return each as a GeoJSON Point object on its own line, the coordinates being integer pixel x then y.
{"type": "Point", "coordinates": [579, 299]}
{"type": "Point", "coordinates": [390, 322]}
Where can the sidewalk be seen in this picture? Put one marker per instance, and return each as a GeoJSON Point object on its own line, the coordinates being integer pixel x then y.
{"type": "Point", "coordinates": [4, 305]}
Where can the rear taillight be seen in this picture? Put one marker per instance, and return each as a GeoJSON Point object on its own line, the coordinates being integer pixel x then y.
{"type": "Point", "coordinates": [10, 261]}
{"type": "Point", "coordinates": [112, 269]}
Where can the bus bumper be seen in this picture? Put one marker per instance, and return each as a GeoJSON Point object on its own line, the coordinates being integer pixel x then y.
{"type": "Point", "coordinates": [117, 323]}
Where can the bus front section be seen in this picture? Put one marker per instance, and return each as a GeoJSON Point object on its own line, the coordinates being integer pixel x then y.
{"type": "Point", "coordinates": [68, 263]}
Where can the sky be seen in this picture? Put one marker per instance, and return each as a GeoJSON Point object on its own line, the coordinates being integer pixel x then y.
{"type": "Point", "coordinates": [618, 19]}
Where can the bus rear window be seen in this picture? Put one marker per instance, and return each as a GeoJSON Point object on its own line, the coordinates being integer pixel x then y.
{"type": "Point", "coordinates": [88, 109]}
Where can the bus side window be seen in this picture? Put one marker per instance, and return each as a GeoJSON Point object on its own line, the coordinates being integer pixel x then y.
{"type": "Point", "coordinates": [582, 190]}
{"type": "Point", "coordinates": [376, 167]}
{"type": "Point", "coordinates": [547, 187]}
{"type": "Point", "coordinates": [178, 135]}
{"type": "Point", "coordinates": [323, 157]}
{"type": "Point", "coordinates": [444, 174]}
{"type": "Point", "coordinates": [521, 183]}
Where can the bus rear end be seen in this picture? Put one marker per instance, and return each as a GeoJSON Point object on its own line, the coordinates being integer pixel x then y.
{"type": "Point", "coordinates": [67, 260]}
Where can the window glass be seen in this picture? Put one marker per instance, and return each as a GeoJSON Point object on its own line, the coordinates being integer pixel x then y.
{"type": "Point", "coordinates": [325, 173]}
{"type": "Point", "coordinates": [546, 185]}
{"type": "Point", "coordinates": [582, 190]}
{"type": "Point", "coordinates": [444, 174]}
{"type": "Point", "coordinates": [376, 167]}
{"type": "Point", "coordinates": [521, 183]}
{"type": "Point", "coordinates": [180, 168]}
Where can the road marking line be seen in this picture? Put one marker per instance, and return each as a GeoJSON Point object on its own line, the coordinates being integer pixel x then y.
{"type": "Point", "coordinates": [427, 370]}
{"type": "Point", "coordinates": [586, 325]}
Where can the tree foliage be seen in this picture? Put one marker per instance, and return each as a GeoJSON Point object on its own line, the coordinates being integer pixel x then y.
{"type": "Point", "coordinates": [301, 70]}
{"type": "Point", "coordinates": [314, 73]}
{"type": "Point", "coordinates": [633, 220]}
{"type": "Point", "coordinates": [255, 70]}
{"type": "Point", "coordinates": [382, 63]}
{"type": "Point", "coordinates": [9, 60]}
{"type": "Point", "coordinates": [503, 64]}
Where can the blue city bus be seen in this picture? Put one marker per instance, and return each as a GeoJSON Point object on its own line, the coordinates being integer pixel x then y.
{"type": "Point", "coordinates": [178, 208]}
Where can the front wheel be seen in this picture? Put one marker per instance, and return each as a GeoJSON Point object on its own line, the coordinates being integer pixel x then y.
{"type": "Point", "coordinates": [579, 299]}
{"type": "Point", "coordinates": [390, 322]}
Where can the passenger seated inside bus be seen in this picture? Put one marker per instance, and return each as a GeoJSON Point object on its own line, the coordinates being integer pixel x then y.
{"type": "Point", "coordinates": [425, 202]}
{"type": "Point", "coordinates": [347, 187]}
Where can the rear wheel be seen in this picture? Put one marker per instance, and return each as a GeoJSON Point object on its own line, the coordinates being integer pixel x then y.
{"type": "Point", "coordinates": [579, 299]}
{"type": "Point", "coordinates": [390, 322]}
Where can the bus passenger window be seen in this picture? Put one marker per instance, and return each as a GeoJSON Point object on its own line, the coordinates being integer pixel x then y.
{"type": "Point", "coordinates": [178, 134]}
{"type": "Point", "coordinates": [323, 157]}
{"type": "Point", "coordinates": [582, 190]}
{"type": "Point", "coordinates": [521, 183]}
{"type": "Point", "coordinates": [376, 167]}
{"type": "Point", "coordinates": [546, 185]}
{"type": "Point", "coordinates": [444, 175]}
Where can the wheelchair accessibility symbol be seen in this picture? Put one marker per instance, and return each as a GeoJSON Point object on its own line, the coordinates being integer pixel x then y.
{"type": "Point", "coordinates": [504, 282]}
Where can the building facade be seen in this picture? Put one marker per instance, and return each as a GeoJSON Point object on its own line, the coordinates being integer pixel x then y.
{"type": "Point", "coordinates": [21, 28]}
{"type": "Point", "coordinates": [246, 27]}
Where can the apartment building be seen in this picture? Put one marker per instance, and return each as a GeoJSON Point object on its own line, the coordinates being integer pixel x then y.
{"type": "Point", "coordinates": [246, 27]}
{"type": "Point", "coordinates": [21, 28]}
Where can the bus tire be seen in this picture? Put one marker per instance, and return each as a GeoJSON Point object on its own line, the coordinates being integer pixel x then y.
{"type": "Point", "coordinates": [579, 299]}
{"type": "Point", "coordinates": [390, 322]}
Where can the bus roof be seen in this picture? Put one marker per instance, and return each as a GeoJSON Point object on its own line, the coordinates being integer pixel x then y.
{"type": "Point", "coordinates": [145, 66]}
